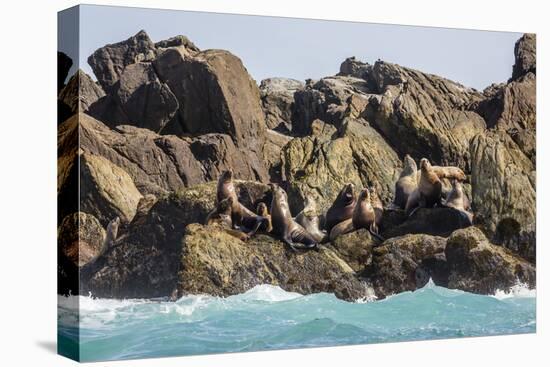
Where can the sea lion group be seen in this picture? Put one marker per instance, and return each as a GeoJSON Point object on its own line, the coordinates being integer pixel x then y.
{"type": "Point", "coordinates": [424, 188]}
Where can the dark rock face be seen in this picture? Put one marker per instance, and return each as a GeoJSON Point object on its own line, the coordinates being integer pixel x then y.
{"type": "Point", "coordinates": [355, 248]}
{"type": "Point", "coordinates": [277, 96]}
{"type": "Point", "coordinates": [436, 222]}
{"type": "Point", "coordinates": [64, 64]}
{"type": "Point", "coordinates": [80, 93]}
{"type": "Point", "coordinates": [504, 191]}
{"type": "Point", "coordinates": [407, 263]}
{"type": "Point", "coordinates": [526, 56]}
{"type": "Point", "coordinates": [477, 266]}
{"type": "Point", "coordinates": [144, 99]}
{"type": "Point", "coordinates": [109, 61]}
{"type": "Point", "coordinates": [233, 267]}
{"type": "Point", "coordinates": [178, 41]}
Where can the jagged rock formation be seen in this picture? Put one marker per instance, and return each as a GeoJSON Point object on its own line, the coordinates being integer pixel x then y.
{"type": "Point", "coordinates": [165, 119]}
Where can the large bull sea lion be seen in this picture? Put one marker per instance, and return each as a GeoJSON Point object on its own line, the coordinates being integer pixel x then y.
{"type": "Point", "coordinates": [342, 208]}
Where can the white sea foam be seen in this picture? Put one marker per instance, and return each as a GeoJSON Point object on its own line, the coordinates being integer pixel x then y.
{"type": "Point", "coordinates": [520, 290]}
{"type": "Point", "coordinates": [268, 293]}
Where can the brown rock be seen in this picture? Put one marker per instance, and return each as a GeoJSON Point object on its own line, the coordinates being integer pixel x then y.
{"type": "Point", "coordinates": [81, 238]}
{"type": "Point", "coordinates": [278, 101]}
{"type": "Point", "coordinates": [232, 266]}
{"type": "Point", "coordinates": [477, 266]}
{"type": "Point", "coordinates": [525, 52]}
{"type": "Point", "coordinates": [109, 61]}
{"type": "Point", "coordinates": [503, 190]}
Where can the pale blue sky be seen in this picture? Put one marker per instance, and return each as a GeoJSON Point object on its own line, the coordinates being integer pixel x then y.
{"type": "Point", "coordinates": [303, 48]}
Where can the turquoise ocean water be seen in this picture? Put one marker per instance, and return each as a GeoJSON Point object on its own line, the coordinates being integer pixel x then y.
{"type": "Point", "coordinates": [267, 317]}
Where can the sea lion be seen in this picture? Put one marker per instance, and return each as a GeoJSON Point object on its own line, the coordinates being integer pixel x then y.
{"type": "Point", "coordinates": [221, 216]}
{"type": "Point", "coordinates": [342, 208]}
{"type": "Point", "coordinates": [309, 219]}
{"type": "Point", "coordinates": [262, 211]}
{"type": "Point", "coordinates": [406, 183]}
{"type": "Point", "coordinates": [241, 216]}
{"type": "Point", "coordinates": [428, 192]}
{"type": "Point", "coordinates": [363, 216]}
{"type": "Point", "coordinates": [450, 172]}
{"type": "Point", "coordinates": [458, 200]}
{"type": "Point", "coordinates": [285, 226]}
{"type": "Point", "coordinates": [377, 205]}
{"type": "Point", "coordinates": [111, 234]}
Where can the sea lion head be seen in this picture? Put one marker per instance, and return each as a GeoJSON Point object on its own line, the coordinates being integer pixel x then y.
{"type": "Point", "coordinates": [261, 209]}
{"type": "Point", "coordinates": [409, 165]}
{"type": "Point", "coordinates": [226, 176]}
{"type": "Point", "coordinates": [364, 195]}
{"type": "Point", "coordinates": [347, 193]}
{"type": "Point", "coordinates": [425, 165]}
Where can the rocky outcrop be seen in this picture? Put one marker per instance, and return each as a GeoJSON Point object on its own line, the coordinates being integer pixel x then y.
{"type": "Point", "coordinates": [407, 263]}
{"type": "Point", "coordinates": [504, 191]}
{"type": "Point", "coordinates": [109, 61]}
{"type": "Point", "coordinates": [146, 262]}
{"type": "Point", "coordinates": [106, 190]}
{"type": "Point", "coordinates": [80, 93]}
{"type": "Point", "coordinates": [321, 167]}
{"type": "Point", "coordinates": [525, 52]}
{"type": "Point", "coordinates": [274, 144]}
{"type": "Point", "coordinates": [355, 249]}
{"type": "Point", "coordinates": [330, 99]}
{"type": "Point", "coordinates": [423, 115]}
{"type": "Point", "coordinates": [80, 238]}
{"type": "Point", "coordinates": [232, 266]}
{"type": "Point", "coordinates": [156, 163]}
{"type": "Point", "coordinates": [277, 96]}
{"type": "Point", "coordinates": [355, 68]}
{"type": "Point", "coordinates": [477, 266]}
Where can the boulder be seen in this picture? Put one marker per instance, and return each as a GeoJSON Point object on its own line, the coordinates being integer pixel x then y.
{"type": "Point", "coordinates": [145, 263]}
{"type": "Point", "coordinates": [321, 167]}
{"type": "Point", "coordinates": [157, 164]}
{"type": "Point", "coordinates": [503, 190]}
{"type": "Point", "coordinates": [433, 221]}
{"type": "Point", "coordinates": [229, 98]}
{"type": "Point", "coordinates": [355, 68]}
{"type": "Point", "coordinates": [80, 93]}
{"type": "Point", "coordinates": [80, 238]}
{"type": "Point", "coordinates": [106, 190]}
{"type": "Point", "coordinates": [179, 42]}
{"type": "Point", "coordinates": [277, 96]}
{"type": "Point", "coordinates": [423, 115]}
{"type": "Point", "coordinates": [407, 263]}
{"type": "Point", "coordinates": [477, 266]}
{"type": "Point", "coordinates": [330, 100]}
{"type": "Point", "coordinates": [355, 248]}
{"type": "Point", "coordinates": [144, 99]}
{"type": "Point", "coordinates": [525, 52]}
{"type": "Point", "coordinates": [109, 61]}
{"type": "Point", "coordinates": [216, 263]}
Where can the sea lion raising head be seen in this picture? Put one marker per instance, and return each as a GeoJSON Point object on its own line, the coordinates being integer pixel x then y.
{"type": "Point", "coordinates": [458, 200]}
{"type": "Point", "coordinates": [262, 211]}
{"type": "Point", "coordinates": [310, 220]}
{"type": "Point", "coordinates": [406, 183]}
{"type": "Point", "coordinates": [428, 192]}
{"type": "Point", "coordinates": [284, 226]}
{"type": "Point", "coordinates": [241, 217]}
{"type": "Point", "coordinates": [342, 208]}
